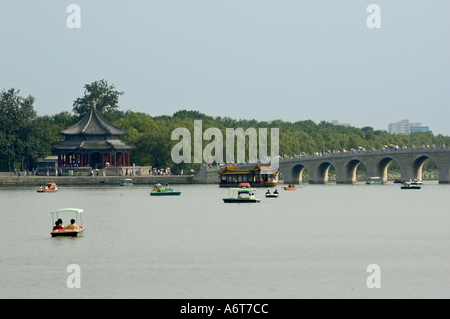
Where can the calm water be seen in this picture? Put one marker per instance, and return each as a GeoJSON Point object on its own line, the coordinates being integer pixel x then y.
{"type": "Point", "coordinates": [315, 242]}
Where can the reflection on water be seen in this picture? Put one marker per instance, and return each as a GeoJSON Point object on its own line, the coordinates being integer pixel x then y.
{"type": "Point", "coordinates": [314, 242]}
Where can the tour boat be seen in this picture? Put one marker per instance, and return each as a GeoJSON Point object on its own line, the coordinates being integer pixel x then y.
{"type": "Point", "coordinates": [49, 188]}
{"type": "Point", "coordinates": [159, 190]}
{"type": "Point", "coordinates": [374, 180]}
{"type": "Point", "coordinates": [409, 185]}
{"type": "Point", "coordinates": [126, 182]}
{"type": "Point", "coordinates": [244, 188]}
{"type": "Point", "coordinates": [67, 231]}
{"type": "Point", "coordinates": [258, 176]}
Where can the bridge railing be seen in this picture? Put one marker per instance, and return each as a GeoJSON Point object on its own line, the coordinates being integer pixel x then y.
{"type": "Point", "coordinates": [334, 153]}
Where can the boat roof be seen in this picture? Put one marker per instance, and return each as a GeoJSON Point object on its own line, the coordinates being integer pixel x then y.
{"type": "Point", "coordinates": [76, 210]}
{"type": "Point", "coordinates": [374, 177]}
{"type": "Point", "coordinates": [243, 189]}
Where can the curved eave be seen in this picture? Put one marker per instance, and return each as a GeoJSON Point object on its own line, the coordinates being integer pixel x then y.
{"type": "Point", "coordinates": [93, 123]}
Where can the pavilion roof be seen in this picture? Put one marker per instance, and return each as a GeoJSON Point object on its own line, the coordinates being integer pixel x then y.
{"type": "Point", "coordinates": [93, 123]}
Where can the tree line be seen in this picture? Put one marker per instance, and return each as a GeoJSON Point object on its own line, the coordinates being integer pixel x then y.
{"type": "Point", "coordinates": [26, 137]}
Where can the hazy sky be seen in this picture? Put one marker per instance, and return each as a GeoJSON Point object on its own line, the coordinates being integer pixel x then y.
{"type": "Point", "coordinates": [289, 60]}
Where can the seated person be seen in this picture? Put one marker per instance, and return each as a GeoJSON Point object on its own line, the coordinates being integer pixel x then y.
{"type": "Point", "coordinates": [268, 192]}
{"type": "Point", "coordinates": [72, 225]}
{"type": "Point", "coordinates": [61, 223]}
{"type": "Point", "coordinates": [57, 226]}
{"type": "Point", "coordinates": [275, 192]}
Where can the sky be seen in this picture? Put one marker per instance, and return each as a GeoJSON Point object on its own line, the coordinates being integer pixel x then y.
{"type": "Point", "coordinates": [248, 59]}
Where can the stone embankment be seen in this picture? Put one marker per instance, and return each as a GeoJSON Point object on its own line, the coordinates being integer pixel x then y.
{"type": "Point", "coordinates": [100, 180]}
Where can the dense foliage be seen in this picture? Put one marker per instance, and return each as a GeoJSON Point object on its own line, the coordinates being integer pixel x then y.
{"type": "Point", "coordinates": [25, 137]}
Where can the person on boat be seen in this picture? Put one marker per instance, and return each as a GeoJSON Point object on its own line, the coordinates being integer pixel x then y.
{"type": "Point", "coordinates": [40, 188]}
{"type": "Point", "coordinates": [57, 226]}
{"type": "Point", "coordinates": [251, 196]}
{"type": "Point", "coordinates": [239, 195]}
{"type": "Point", "coordinates": [275, 192]}
{"type": "Point", "coordinates": [268, 192]}
{"type": "Point", "coordinates": [73, 225]}
{"type": "Point", "coordinates": [61, 223]}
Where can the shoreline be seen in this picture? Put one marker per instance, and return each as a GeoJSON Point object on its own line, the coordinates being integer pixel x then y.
{"type": "Point", "coordinates": [103, 180]}
{"type": "Point", "coordinates": [115, 180]}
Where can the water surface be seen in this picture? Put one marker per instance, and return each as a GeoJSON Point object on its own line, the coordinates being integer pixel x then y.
{"type": "Point", "coordinates": [315, 242]}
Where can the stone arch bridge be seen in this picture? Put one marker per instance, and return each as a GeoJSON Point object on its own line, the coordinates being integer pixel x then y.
{"type": "Point", "coordinates": [375, 162]}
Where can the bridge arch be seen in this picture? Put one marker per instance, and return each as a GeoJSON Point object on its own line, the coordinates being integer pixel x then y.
{"type": "Point", "coordinates": [319, 175]}
{"type": "Point", "coordinates": [296, 173]}
{"type": "Point", "coordinates": [415, 166]}
{"type": "Point", "coordinates": [381, 166]}
{"type": "Point", "coordinates": [349, 170]}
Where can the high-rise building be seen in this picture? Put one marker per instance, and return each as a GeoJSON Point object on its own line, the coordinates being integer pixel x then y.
{"type": "Point", "coordinates": [405, 127]}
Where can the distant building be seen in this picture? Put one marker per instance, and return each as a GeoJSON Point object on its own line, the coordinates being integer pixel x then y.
{"type": "Point", "coordinates": [419, 128]}
{"type": "Point", "coordinates": [336, 122]}
{"type": "Point", "coordinates": [406, 127]}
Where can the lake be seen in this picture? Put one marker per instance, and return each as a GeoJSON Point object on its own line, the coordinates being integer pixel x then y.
{"type": "Point", "coordinates": [315, 242]}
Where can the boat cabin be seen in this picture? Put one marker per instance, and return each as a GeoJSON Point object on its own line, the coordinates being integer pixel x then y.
{"type": "Point", "coordinates": [127, 182]}
{"type": "Point", "coordinates": [374, 180]}
{"type": "Point", "coordinates": [258, 176]}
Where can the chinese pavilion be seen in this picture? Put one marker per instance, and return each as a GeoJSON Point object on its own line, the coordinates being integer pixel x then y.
{"type": "Point", "coordinates": [93, 142]}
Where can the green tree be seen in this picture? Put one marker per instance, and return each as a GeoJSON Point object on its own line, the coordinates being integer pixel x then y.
{"type": "Point", "coordinates": [107, 98]}
{"type": "Point", "coordinates": [23, 136]}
